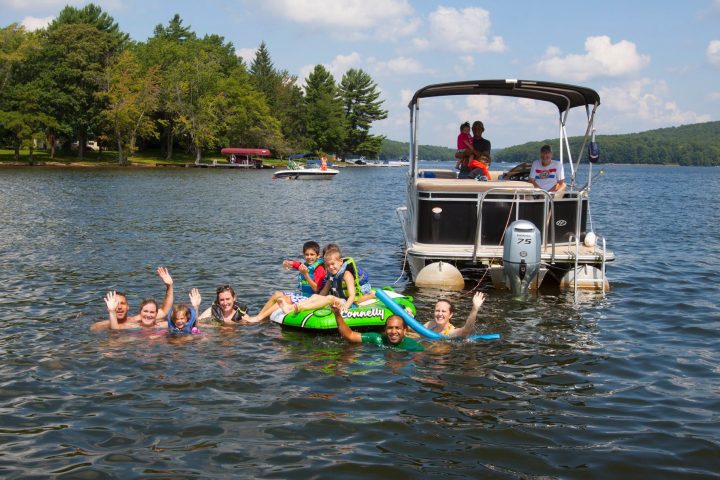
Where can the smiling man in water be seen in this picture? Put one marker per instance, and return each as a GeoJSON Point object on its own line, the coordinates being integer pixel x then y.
{"type": "Point", "coordinates": [394, 336]}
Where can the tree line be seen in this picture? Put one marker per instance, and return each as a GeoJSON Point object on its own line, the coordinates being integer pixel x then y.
{"type": "Point", "coordinates": [82, 78]}
{"type": "Point", "coordinates": [697, 144]}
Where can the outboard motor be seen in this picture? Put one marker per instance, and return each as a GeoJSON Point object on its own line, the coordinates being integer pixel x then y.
{"type": "Point", "coordinates": [521, 256]}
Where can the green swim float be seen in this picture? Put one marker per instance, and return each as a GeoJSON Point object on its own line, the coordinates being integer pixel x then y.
{"type": "Point", "coordinates": [370, 315]}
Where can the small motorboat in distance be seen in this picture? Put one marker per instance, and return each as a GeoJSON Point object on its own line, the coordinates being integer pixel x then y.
{"type": "Point", "coordinates": [296, 171]}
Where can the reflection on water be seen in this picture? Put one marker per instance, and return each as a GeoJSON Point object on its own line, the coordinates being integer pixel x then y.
{"type": "Point", "coordinates": [621, 386]}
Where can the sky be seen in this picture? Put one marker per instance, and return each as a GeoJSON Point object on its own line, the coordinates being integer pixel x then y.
{"type": "Point", "coordinates": [655, 64]}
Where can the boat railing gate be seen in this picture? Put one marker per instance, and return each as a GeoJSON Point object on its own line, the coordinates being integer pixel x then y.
{"type": "Point", "coordinates": [516, 192]}
{"type": "Point", "coordinates": [601, 254]}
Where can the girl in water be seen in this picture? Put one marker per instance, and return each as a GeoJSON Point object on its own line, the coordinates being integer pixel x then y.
{"type": "Point", "coordinates": [444, 313]}
{"type": "Point", "coordinates": [225, 310]}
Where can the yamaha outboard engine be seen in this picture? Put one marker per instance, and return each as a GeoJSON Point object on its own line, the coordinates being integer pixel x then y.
{"type": "Point", "coordinates": [521, 256]}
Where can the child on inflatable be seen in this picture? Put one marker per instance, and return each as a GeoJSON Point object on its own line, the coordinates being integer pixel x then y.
{"type": "Point", "coordinates": [345, 282]}
{"type": "Point", "coordinates": [311, 279]}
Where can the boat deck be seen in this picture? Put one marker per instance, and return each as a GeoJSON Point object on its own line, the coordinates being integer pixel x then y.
{"type": "Point", "coordinates": [564, 253]}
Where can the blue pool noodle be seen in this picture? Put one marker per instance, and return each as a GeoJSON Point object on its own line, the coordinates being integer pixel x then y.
{"type": "Point", "coordinates": [417, 326]}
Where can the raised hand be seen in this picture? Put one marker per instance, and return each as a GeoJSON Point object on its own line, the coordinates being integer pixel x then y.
{"type": "Point", "coordinates": [111, 300]}
{"type": "Point", "coordinates": [478, 299]}
{"type": "Point", "coordinates": [195, 298]}
{"type": "Point", "coordinates": [164, 276]}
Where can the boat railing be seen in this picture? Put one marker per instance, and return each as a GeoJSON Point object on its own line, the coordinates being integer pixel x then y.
{"type": "Point", "coordinates": [517, 193]}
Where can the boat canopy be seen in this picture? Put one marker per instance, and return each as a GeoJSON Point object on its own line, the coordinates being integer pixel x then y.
{"type": "Point", "coordinates": [259, 152]}
{"type": "Point", "coordinates": [563, 96]}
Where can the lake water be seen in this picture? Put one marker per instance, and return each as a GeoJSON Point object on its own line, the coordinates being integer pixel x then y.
{"type": "Point", "coordinates": [626, 386]}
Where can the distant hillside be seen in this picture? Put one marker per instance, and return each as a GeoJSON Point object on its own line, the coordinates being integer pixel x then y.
{"type": "Point", "coordinates": [392, 149]}
{"type": "Point", "coordinates": [697, 144]}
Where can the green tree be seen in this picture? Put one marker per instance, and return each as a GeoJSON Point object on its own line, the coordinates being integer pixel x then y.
{"type": "Point", "coordinates": [362, 107]}
{"type": "Point", "coordinates": [324, 108]}
{"type": "Point", "coordinates": [131, 95]}
{"type": "Point", "coordinates": [246, 115]}
{"type": "Point", "coordinates": [15, 44]}
{"type": "Point", "coordinates": [78, 46]}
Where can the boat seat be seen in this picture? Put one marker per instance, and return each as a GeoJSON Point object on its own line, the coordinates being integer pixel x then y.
{"type": "Point", "coordinates": [467, 185]}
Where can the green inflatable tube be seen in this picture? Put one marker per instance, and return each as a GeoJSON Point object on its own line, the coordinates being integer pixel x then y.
{"type": "Point", "coordinates": [369, 316]}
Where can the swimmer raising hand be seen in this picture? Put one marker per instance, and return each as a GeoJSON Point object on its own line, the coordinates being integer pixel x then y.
{"type": "Point", "coordinates": [111, 300]}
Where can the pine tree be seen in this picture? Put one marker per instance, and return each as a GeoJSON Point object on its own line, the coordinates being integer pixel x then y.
{"type": "Point", "coordinates": [326, 127]}
{"type": "Point", "coordinates": [361, 106]}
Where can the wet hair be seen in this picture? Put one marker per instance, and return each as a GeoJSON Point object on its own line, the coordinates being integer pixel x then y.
{"type": "Point", "coordinates": [180, 308]}
{"type": "Point", "coordinates": [122, 294]}
{"type": "Point", "coordinates": [149, 300]}
{"type": "Point", "coordinates": [224, 288]}
{"type": "Point", "coordinates": [330, 247]}
{"type": "Point", "coordinates": [332, 253]}
{"type": "Point", "coordinates": [404, 325]}
{"type": "Point", "coordinates": [545, 148]}
{"type": "Point", "coordinates": [466, 124]}
{"type": "Point", "coordinates": [478, 123]}
{"type": "Point", "coordinates": [311, 245]}
{"type": "Point", "coordinates": [452, 307]}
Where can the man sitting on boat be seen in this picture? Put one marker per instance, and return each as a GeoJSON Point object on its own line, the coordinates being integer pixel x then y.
{"type": "Point", "coordinates": [547, 173]}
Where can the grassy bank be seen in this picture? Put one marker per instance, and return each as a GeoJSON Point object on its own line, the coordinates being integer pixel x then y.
{"type": "Point", "coordinates": [146, 158]}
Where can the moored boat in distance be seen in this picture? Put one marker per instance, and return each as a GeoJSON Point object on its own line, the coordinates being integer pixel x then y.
{"type": "Point", "coordinates": [245, 157]}
{"type": "Point", "coordinates": [296, 171]}
{"type": "Point", "coordinates": [465, 221]}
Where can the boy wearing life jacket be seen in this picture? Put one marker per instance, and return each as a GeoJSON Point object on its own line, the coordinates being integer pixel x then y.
{"type": "Point", "coordinates": [345, 282]}
{"type": "Point", "coordinates": [311, 279]}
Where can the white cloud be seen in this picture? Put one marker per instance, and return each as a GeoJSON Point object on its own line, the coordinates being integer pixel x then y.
{"type": "Point", "coordinates": [602, 58]}
{"type": "Point", "coordinates": [33, 23]}
{"type": "Point", "coordinates": [645, 101]}
{"type": "Point", "coordinates": [714, 96]}
{"type": "Point", "coordinates": [247, 54]}
{"type": "Point", "coordinates": [448, 30]}
{"type": "Point", "coordinates": [398, 66]}
{"type": "Point", "coordinates": [353, 19]}
{"type": "Point", "coordinates": [713, 52]}
{"type": "Point", "coordinates": [420, 43]}
{"type": "Point", "coordinates": [338, 66]}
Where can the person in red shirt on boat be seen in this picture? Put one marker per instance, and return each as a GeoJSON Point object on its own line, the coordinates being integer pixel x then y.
{"type": "Point", "coordinates": [479, 168]}
{"type": "Point", "coordinates": [323, 162]}
{"type": "Point", "coordinates": [464, 144]}
{"type": "Point", "coordinates": [311, 279]}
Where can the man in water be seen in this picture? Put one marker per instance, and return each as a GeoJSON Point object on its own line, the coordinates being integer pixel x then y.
{"type": "Point", "coordinates": [394, 336]}
{"type": "Point", "coordinates": [149, 309]}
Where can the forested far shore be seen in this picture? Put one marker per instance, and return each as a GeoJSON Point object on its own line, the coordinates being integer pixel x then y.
{"type": "Point", "coordinates": [83, 82]}
{"type": "Point", "coordinates": [697, 144]}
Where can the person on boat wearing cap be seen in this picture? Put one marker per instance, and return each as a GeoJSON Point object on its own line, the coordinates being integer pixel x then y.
{"type": "Point", "coordinates": [547, 173]}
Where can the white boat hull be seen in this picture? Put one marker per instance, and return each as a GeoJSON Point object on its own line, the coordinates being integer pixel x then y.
{"type": "Point", "coordinates": [306, 174]}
